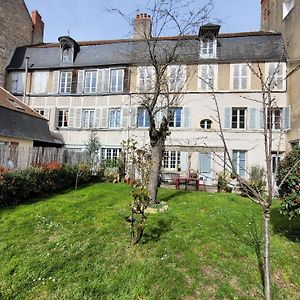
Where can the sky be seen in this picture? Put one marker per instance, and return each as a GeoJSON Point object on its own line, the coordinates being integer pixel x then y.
{"type": "Point", "coordinates": [90, 20]}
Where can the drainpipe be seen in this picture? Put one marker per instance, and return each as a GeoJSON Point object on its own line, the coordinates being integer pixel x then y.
{"type": "Point", "coordinates": [25, 81]}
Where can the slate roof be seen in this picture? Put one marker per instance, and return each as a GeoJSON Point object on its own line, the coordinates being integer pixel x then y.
{"type": "Point", "coordinates": [20, 121]}
{"type": "Point", "coordinates": [238, 47]}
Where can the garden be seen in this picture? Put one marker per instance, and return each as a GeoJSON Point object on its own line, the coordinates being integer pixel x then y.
{"type": "Point", "coordinates": [76, 245]}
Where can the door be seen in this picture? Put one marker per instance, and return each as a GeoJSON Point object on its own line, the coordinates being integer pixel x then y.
{"type": "Point", "coordinates": [205, 167]}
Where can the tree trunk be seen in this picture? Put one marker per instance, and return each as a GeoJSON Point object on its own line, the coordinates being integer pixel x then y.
{"type": "Point", "coordinates": [156, 155]}
{"type": "Point", "coordinates": [267, 287]}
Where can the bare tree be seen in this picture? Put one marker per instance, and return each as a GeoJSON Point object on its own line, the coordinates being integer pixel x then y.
{"type": "Point", "coordinates": [164, 75]}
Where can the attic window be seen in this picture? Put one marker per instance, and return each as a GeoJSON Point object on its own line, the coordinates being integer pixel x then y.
{"type": "Point", "coordinates": [208, 48]}
{"type": "Point", "coordinates": [69, 49]}
{"type": "Point", "coordinates": [67, 55]}
{"type": "Point", "coordinates": [287, 6]}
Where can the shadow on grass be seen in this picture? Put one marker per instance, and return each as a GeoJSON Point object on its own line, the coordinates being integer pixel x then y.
{"type": "Point", "coordinates": [282, 225]}
{"type": "Point", "coordinates": [155, 231]}
{"type": "Point", "coordinates": [172, 195]}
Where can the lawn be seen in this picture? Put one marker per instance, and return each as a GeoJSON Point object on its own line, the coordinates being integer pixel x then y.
{"type": "Point", "coordinates": [76, 245]}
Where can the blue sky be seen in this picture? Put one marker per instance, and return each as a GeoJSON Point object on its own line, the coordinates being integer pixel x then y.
{"type": "Point", "coordinates": [89, 19]}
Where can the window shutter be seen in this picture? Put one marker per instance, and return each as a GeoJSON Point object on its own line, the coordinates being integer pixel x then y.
{"type": "Point", "coordinates": [227, 117]}
{"type": "Point", "coordinates": [286, 117]}
{"type": "Point", "coordinates": [56, 118]}
{"type": "Point", "coordinates": [71, 117]}
{"type": "Point", "coordinates": [47, 113]}
{"type": "Point", "coordinates": [103, 80]}
{"type": "Point", "coordinates": [97, 117]}
{"type": "Point", "coordinates": [132, 116]}
{"type": "Point", "coordinates": [252, 118]}
{"type": "Point", "coordinates": [158, 119]}
{"type": "Point", "coordinates": [184, 161]}
{"type": "Point", "coordinates": [244, 85]}
{"type": "Point", "coordinates": [261, 118]}
{"type": "Point", "coordinates": [186, 117]}
{"type": "Point", "coordinates": [77, 118]}
{"type": "Point", "coordinates": [74, 81]}
{"type": "Point", "coordinates": [80, 81]}
{"type": "Point", "coordinates": [126, 87]}
{"type": "Point", "coordinates": [55, 84]}
{"type": "Point", "coordinates": [104, 118]}
{"type": "Point", "coordinates": [125, 117]}
{"type": "Point", "coordinates": [203, 84]}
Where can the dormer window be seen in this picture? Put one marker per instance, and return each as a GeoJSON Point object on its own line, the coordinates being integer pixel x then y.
{"type": "Point", "coordinates": [208, 40]}
{"type": "Point", "coordinates": [69, 49]}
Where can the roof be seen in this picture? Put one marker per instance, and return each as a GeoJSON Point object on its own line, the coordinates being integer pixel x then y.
{"type": "Point", "coordinates": [20, 121]}
{"type": "Point", "coordinates": [232, 47]}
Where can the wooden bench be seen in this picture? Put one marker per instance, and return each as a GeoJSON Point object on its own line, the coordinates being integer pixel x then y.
{"type": "Point", "coordinates": [190, 181]}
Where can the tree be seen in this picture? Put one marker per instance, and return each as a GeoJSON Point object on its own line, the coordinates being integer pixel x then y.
{"type": "Point", "coordinates": [271, 142]}
{"type": "Point", "coordinates": [92, 148]}
{"type": "Point", "coordinates": [164, 70]}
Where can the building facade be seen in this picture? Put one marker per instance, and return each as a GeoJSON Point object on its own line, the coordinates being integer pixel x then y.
{"type": "Point", "coordinates": [284, 16]}
{"type": "Point", "coordinates": [84, 86]}
{"type": "Point", "coordinates": [18, 28]}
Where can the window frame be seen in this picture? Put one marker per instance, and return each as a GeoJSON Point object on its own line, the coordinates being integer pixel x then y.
{"type": "Point", "coordinates": [206, 123]}
{"type": "Point", "coordinates": [141, 111]}
{"type": "Point", "coordinates": [65, 88]}
{"type": "Point", "coordinates": [17, 82]}
{"type": "Point", "coordinates": [207, 44]}
{"type": "Point", "coordinates": [88, 81]}
{"type": "Point", "coordinates": [171, 159]}
{"type": "Point", "coordinates": [88, 113]}
{"type": "Point", "coordinates": [176, 84]}
{"type": "Point", "coordinates": [111, 78]}
{"type": "Point", "coordinates": [112, 151]}
{"type": "Point", "coordinates": [211, 74]}
{"type": "Point", "coordinates": [177, 117]}
{"type": "Point", "coordinates": [64, 118]}
{"type": "Point", "coordinates": [239, 170]}
{"type": "Point", "coordinates": [240, 77]}
{"type": "Point", "coordinates": [145, 78]}
{"type": "Point", "coordinates": [277, 77]}
{"type": "Point", "coordinates": [114, 118]}
{"type": "Point", "coordinates": [239, 117]}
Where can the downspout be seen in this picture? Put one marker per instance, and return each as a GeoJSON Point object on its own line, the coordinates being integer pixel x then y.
{"type": "Point", "coordinates": [25, 81]}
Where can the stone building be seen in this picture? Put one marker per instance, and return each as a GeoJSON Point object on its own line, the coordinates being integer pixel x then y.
{"type": "Point", "coordinates": [18, 28]}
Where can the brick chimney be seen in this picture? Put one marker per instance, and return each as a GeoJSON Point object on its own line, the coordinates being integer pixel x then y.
{"type": "Point", "coordinates": [38, 27]}
{"type": "Point", "coordinates": [264, 11]}
{"type": "Point", "coordinates": [142, 26]}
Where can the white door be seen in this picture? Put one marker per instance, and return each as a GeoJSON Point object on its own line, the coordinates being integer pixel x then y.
{"type": "Point", "coordinates": [205, 167]}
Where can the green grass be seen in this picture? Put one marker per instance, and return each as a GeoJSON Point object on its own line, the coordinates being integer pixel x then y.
{"type": "Point", "coordinates": [206, 246]}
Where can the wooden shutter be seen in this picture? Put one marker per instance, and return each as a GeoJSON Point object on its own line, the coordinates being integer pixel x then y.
{"type": "Point", "coordinates": [252, 118]}
{"type": "Point", "coordinates": [203, 76]}
{"type": "Point", "coordinates": [71, 117]}
{"type": "Point", "coordinates": [56, 118]}
{"type": "Point", "coordinates": [103, 80]}
{"type": "Point", "coordinates": [74, 82]}
{"type": "Point", "coordinates": [184, 161]}
{"type": "Point", "coordinates": [104, 118]}
{"type": "Point", "coordinates": [125, 117]}
{"type": "Point", "coordinates": [132, 116]}
{"type": "Point", "coordinates": [80, 81]}
{"type": "Point", "coordinates": [97, 117]}
{"type": "Point", "coordinates": [47, 113]}
{"type": "Point", "coordinates": [55, 84]}
{"type": "Point", "coordinates": [227, 117]}
{"type": "Point", "coordinates": [236, 77]}
{"type": "Point", "coordinates": [286, 117]}
{"type": "Point", "coordinates": [186, 117]}
{"type": "Point", "coordinates": [77, 118]}
{"type": "Point", "coordinates": [126, 86]}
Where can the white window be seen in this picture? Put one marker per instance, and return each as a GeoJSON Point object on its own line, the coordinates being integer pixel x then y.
{"type": "Point", "coordinates": [40, 82]}
{"type": "Point", "coordinates": [276, 158]}
{"type": "Point", "coordinates": [239, 162]}
{"type": "Point", "coordinates": [67, 55]}
{"type": "Point", "coordinates": [275, 79]}
{"type": "Point", "coordinates": [110, 154]}
{"type": "Point", "coordinates": [274, 118]}
{"type": "Point", "coordinates": [114, 118]}
{"type": "Point", "coordinates": [88, 118]}
{"type": "Point", "coordinates": [45, 112]}
{"type": "Point", "coordinates": [65, 82]}
{"type": "Point", "coordinates": [63, 118]}
{"type": "Point", "coordinates": [238, 118]}
{"type": "Point", "coordinates": [17, 82]}
{"type": "Point", "coordinates": [177, 78]}
{"type": "Point", "coordinates": [145, 78]}
{"type": "Point", "coordinates": [143, 118]}
{"type": "Point", "coordinates": [116, 80]}
{"type": "Point", "coordinates": [176, 117]}
{"type": "Point", "coordinates": [287, 6]}
{"type": "Point", "coordinates": [90, 81]}
{"type": "Point", "coordinates": [207, 77]}
{"type": "Point", "coordinates": [171, 160]}
{"type": "Point", "coordinates": [240, 76]}
{"type": "Point", "coordinates": [208, 48]}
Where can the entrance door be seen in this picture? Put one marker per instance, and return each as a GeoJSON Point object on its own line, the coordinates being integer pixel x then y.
{"type": "Point", "coordinates": [205, 167]}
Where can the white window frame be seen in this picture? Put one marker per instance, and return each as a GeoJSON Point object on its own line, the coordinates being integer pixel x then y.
{"type": "Point", "coordinates": [110, 153]}
{"type": "Point", "coordinates": [178, 112]}
{"type": "Point", "coordinates": [287, 6]}
{"type": "Point", "coordinates": [17, 82]}
{"type": "Point", "coordinates": [88, 118]}
{"type": "Point", "coordinates": [208, 48]}
{"type": "Point", "coordinates": [171, 159]}
{"type": "Point", "coordinates": [118, 87]}
{"type": "Point", "coordinates": [145, 78]}
{"type": "Point", "coordinates": [66, 86]}
{"type": "Point", "coordinates": [240, 77]}
{"type": "Point", "coordinates": [90, 81]}
{"type": "Point", "coordinates": [210, 81]}
{"type": "Point", "coordinates": [114, 118]}
{"type": "Point", "coordinates": [145, 116]}
{"type": "Point", "coordinates": [276, 120]}
{"type": "Point", "coordinates": [239, 117]}
{"type": "Point", "coordinates": [238, 168]}
{"type": "Point", "coordinates": [278, 76]}
{"type": "Point", "coordinates": [176, 77]}
{"type": "Point", "coordinates": [65, 117]}
{"type": "Point", "coordinates": [67, 55]}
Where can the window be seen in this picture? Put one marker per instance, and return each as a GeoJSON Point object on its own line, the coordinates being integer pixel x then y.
{"type": "Point", "coordinates": [176, 78]}
{"type": "Point", "coordinates": [205, 124]}
{"type": "Point", "coordinates": [207, 77]}
{"type": "Point", "coordinates": [88, 118]}
{"type": "Point", "coordinates": [239, 162]}
{"type": "Point", "coordinates": [287, 6]}
{"type": "Point", "coordinates": [114, 118]}
{"type": "Point", "coordinates": [238, 117]}
{"type": "Point", "coordinates": [67, 55]}
{"type": "Point", "coordinates": [143, 118]}
{"type": "Point", "coordinates": [117, 80]}
{"type": "Point", "coordinates": [65, 82]}
{"type": "Point", "coordinates": [40, 82]}
{"type": "Point", "coordinates": [276, 158]}
{"type": "Point", "coordinates": [145, 78]}
{"type": "Point", "coordinates": [63, 118]}
{"type": "Point", "coordinates": [274, 119]}
{"type": "Point", "coordinates": [111, 154]}
{"type": "Point", "coordinates": [208, 48]}
{"type": "Point", "coordinates": [90, 81]}
{"type": "Point", "coordinates": [17, 82]}
{"type": "Point", "coordinates": [175, 120]}
{"type": "Point", "coordinates": [275, 76]}
{"type": "Point", "coordinates": [240, 77]}
{"type": "Point", "coordinates": [171, 159]}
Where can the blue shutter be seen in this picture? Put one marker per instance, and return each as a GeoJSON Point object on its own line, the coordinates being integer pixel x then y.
{"type": "Point", "coordinates": [227, 117]}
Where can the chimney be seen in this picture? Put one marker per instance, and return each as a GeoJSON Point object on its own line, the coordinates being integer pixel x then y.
{"type": "Point", "coordinates": [142, 26]}
{"type": "Point", "coordinates": [38, 27]}
{"type": "Point", "coordinates": [264, 12]}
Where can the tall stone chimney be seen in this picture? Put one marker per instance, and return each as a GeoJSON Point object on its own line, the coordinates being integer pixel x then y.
{"type": "Point", "coordinates": [142, 26]}
{"type": "Point", "coordinates": [38, 27]}
{"type": "Point", "coordinates": [264, 10]}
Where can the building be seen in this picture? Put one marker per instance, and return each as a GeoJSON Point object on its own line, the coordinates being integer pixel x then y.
{"type": "Point", "coordinates": [84, 86]}
{"type": "Point", "coordinates": [284, 16]}
{"type": "Point", "coordinates": [18, 28]}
